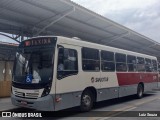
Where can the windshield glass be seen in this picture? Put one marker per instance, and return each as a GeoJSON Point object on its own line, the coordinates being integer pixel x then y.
{"type": "Point", "coordinates": [34, 64]}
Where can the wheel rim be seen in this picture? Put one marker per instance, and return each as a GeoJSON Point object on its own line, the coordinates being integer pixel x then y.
{"type": "Point", "coordinates": [86, 100]}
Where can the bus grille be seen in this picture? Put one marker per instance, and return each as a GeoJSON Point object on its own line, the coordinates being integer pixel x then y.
{"type": "Point", "coordinates": [26, 95]}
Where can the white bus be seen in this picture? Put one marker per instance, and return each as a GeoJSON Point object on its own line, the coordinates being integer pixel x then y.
{"type": "Point", "coordinates": [55, 73]}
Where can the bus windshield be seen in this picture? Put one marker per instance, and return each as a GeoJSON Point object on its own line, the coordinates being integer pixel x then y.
{"type": "Point", "coordinates": [34, 61]}
{"type": "Point", "coordinates": [34, 66]}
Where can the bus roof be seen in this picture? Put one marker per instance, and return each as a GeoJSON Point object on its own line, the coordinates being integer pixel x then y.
{"type": "Point", "coordinates": [82, 43]}
{"type": "Point", "coordinates": [79, 42]}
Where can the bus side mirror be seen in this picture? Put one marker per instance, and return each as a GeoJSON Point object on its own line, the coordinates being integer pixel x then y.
{"type": "Point", "coordinates": [60, 46]}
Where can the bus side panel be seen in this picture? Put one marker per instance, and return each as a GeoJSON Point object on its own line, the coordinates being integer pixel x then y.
{"type": "Point", "coordinates": [107, 93]}
{"type": "Point", "coordinates": [109, 88]}
{"type": "Point", "coordinates": [150, 86]}
{"type": "Point", "coordinates": [68, 100]}
{"type": "Point", "coordinates": [127, 90]}
{"type": "Point", "coordinates": [135, 78]}
{"type": "Point", "coordinates": [129, 82]}
{"type": "Point", "coordinates": [70, 89]}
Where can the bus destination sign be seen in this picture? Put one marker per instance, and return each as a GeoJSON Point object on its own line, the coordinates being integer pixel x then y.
{"type": "Point", "coordinates": [38, 42]}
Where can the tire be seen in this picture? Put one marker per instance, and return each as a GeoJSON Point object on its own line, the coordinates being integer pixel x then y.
{"type": "Point", "coordinates": [86, 101]}
{"type": "Point", "coordinates": [140, 91]}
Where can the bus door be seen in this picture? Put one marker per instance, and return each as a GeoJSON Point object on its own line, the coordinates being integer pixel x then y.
{"type": "Point", "coordinates": [67, 77]}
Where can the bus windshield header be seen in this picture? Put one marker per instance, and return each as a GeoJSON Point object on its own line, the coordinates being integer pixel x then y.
{"type": "Point", "coordinates": [38, 41]}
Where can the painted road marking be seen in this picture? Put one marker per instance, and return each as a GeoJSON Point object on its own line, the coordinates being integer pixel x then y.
{"type": "Point", "coordinates": [130, 109]}
{"type": "Point", "coordinates": [145, 101]}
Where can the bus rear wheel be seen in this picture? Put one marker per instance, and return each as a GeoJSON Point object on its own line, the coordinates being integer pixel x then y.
{"type": "Point", "coordinates": [86, 101]}
{"type": "Point", "coordinates": [140, 91]}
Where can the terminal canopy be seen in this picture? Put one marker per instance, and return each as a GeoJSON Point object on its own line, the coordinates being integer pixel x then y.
{"type": "Point", "coordinates": [66, 18]}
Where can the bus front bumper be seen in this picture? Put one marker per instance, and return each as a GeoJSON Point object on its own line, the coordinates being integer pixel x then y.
{"type": "Point", "coordinates": [43, 103]}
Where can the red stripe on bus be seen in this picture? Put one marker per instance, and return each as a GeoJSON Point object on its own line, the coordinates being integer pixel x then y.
{"type": "Point", "coordinates": [135, 78]}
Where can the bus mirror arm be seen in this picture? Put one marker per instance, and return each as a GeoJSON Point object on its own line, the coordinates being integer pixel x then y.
{"type": "Point", "coordinates": [60, 47]}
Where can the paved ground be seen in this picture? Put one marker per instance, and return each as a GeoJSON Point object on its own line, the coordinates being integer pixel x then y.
{"type": "Point", "coordinates": [125, 107]}
{"type": "Point", "coordinates": [5, 104]}
{"type": "Point", "coordinates": [118, 107]}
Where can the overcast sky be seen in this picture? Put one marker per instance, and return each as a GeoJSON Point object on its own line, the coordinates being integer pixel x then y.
{"type": "Point", "coordinates": [142, 16]}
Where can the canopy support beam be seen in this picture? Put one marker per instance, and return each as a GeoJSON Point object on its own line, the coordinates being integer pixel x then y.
{"type": "Point", "coordinates": [112, 39]}
{"type": "Point", "coordinates": [115, 38]}
{"type": "Point", "coordinates": [149, 46]}
{"type": "Point", "coordinates": [144, 48]}
{"type": "Point", "coordinates": [57, 18]}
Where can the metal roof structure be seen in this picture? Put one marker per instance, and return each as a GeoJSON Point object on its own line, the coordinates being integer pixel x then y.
{"type": "Point", "coordinates": [66, 18]}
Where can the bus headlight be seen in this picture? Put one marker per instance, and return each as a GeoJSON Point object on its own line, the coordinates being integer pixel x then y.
{"type": "Point", "coordinates": [46, 90]}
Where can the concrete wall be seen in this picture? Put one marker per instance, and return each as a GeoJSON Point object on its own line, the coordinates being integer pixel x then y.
{"type": "Point", "coordinates": [5, 88]}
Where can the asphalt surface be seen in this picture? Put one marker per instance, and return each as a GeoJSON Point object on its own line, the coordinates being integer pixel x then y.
{"type": "Point", "coordinates": [115, 109]}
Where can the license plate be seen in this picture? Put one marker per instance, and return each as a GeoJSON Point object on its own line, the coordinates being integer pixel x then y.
{"type": "Point", "coordinates": [23, 103]}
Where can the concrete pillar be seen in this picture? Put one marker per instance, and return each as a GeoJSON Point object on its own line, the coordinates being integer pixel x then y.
{"type": "Point", "coordinates": [8, 70]}
{"type": "Point", "coordinates": [2, 70]}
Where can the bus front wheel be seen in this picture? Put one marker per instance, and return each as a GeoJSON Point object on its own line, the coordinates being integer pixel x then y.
{"type": "Point", "coordinates": [86, 101]}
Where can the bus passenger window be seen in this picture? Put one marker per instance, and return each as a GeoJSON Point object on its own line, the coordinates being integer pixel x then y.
{"type": "Point", "coordinates": [90, 59]}
{"type": "Point", "coordinates": [120, 62]}
{"type": "Point", "coordinates": [154, 63]}
{"type": "Point", "coordinates": [67, 63]}
{"type": "Point", "coordinates": [148, 65]}
{"type": "Point", "coordinates": [107, 61]}
{"type": "Point", "coordinates": [140, 64]}
{"type": "Point", "coordinates": [131, 63]}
